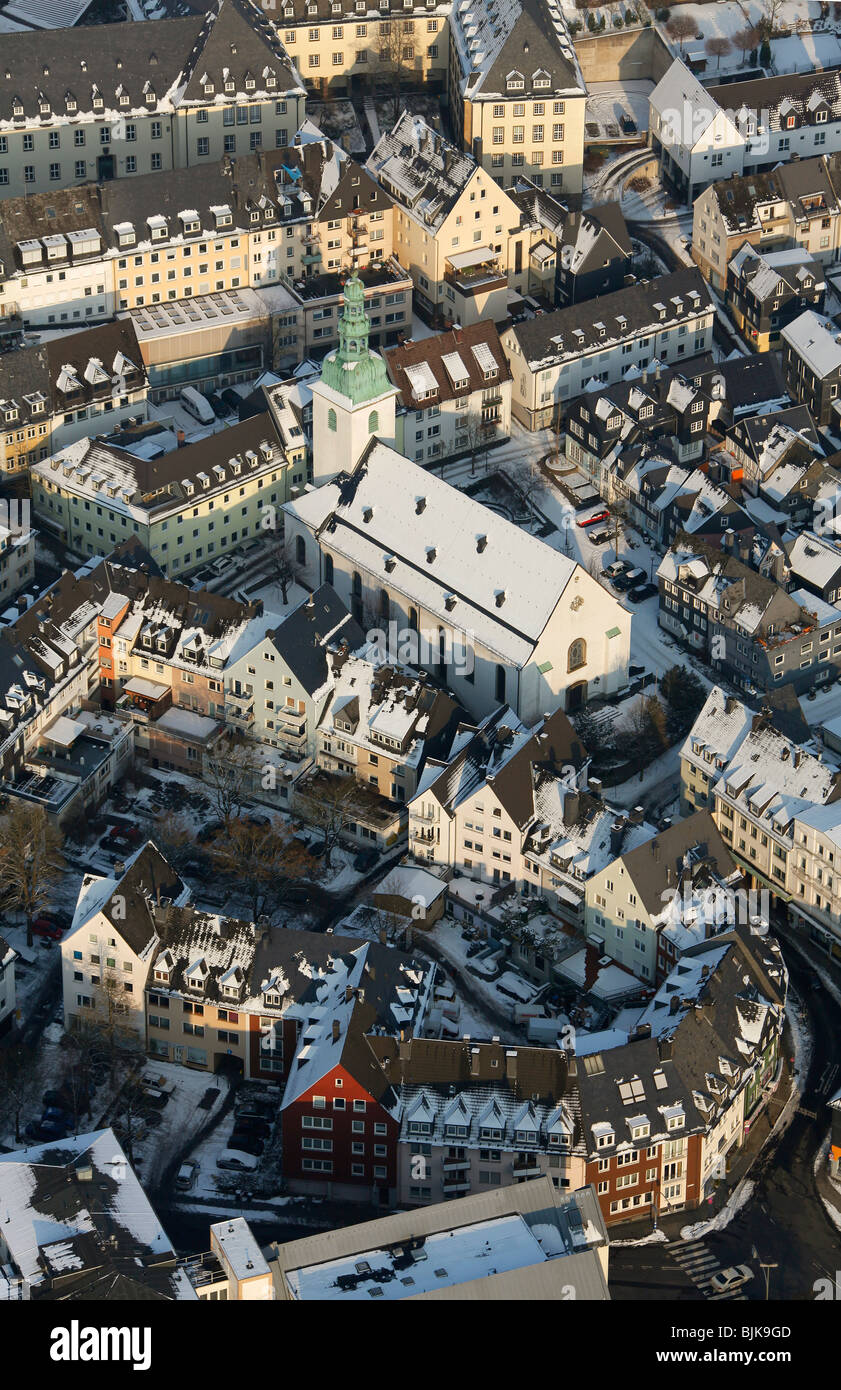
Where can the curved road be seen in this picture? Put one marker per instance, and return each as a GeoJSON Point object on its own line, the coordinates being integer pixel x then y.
{"type": "Point", "coordinates": [784, 1221]}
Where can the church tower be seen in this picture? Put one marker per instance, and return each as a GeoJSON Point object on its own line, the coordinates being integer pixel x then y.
{"type": "Point", "coordinates": [354, 398]}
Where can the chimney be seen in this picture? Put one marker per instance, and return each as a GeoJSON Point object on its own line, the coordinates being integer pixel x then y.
{"type": "Point", "coordinates": [636, 816]}
{"type": "Point", "coordinates": [348, 997]}
{"type": "Point", "coordinates": [119, 868]}
{"type": "Point", "coordinates": [335, 1030]}
{"type": "Point", "coordinates": [511, 1065]}
{"type": "Point", "coordinates": [179, 435]}
{"type": "Point", "coordinates": [617, 835]}
{"type": "Point", "coordinates": [481, 544]}
{"type": "Point", "coordinates": [474, 1061]}
{"type": "Point", "coordinates": [594, 785]}
{"type": "Point", "coordinates": [572, 808]}
{"type": "Point", "coordinates": [655, 850]}
{"type": "Point", "coordinates": [730, 704]}
{"type": "Point", "coordinates": [674, 1004]}
{"type": "Point", "coordinates": [420, 503]}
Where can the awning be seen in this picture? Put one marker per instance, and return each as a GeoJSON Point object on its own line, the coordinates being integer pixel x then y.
{"type": "Point", "coordinates": [477, 256]}
{"type": "Point", "coordinates": [65, 731]}
{"type": "Point", "coordinates": [150, 690]}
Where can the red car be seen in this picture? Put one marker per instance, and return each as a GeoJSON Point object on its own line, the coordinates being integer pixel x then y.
{"type": "Point", "coordinates": [126, 832]}
{"type": "Point", "coordinates": [593, 520]}
{"type": "Point", "coordinates": [43, 927]}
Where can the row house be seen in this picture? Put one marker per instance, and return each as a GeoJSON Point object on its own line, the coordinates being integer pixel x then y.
{"type": "Point", "coordinates": [812, 364]}
{"type": "Point", "coordinates": [500, 617]}
{"type": "Point", "coordinates": [475, 811]}
{"type": "Point", "coordinates": [184, 506]}
{"type": "Point", "coordinates": [661, 1114]}
{"type": "Point", "coordinates": [53, 394]}
{"type": "Point", "coordinates": [476, 1115]}
{"type": "Point", "coordinates": [83, 107]}
{"type": "Point", "coordinates": [768, 441]}
{"type": "Point", "coordinates": [579, 254]}
{"type": "Point", "coordinates": [516, 93]}
{"type": "Point", "coordinates": [681, 873]}
{"type": "Point", "coordinates": [671, 408]}
{"type": "Point", "coordinates": [797, 202]}
{"type": "Point", "coordinates": [455, 393]}
{"type": "Point", "coordinates": [557, 357]}
{"type": "Point", "coordinates": [767, 289]}
{"type": "Point", "coordinates": [745, 623]}
{"type": "Point", "coordinates": [701, 135]}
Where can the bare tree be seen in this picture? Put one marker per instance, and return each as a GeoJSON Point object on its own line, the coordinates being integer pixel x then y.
{"type": "Point", "coordinates": [230, 770]}
{"type": "Point", "coordinates": [718, 47]}
{"type": "Point", "coordinates": [266, 862]}
{"type": "Point", "coordinates": [20, 1079]}
{"type": "Point", "coordinates": [30, 860]}
{"type": "Point", "coordinates": [132, 1110]}
{"type": "Point", "coordinates": [284, 570]}
{"type": "Point", "coordinates": [333, 804]}
{"type": "Point", "coordinates": [395, 63]}
{"type": "Point", "coordinates": [618, 523]}
{"type": "Point", "coordinates": [747, 40]}
{"type": "Point", "coordinates": [118, 1041]}
{"type": "Point", "coordinates": [680, 28]}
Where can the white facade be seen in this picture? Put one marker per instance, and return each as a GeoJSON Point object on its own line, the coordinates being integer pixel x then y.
{"type": "Point", "coordinates": [342, 428]}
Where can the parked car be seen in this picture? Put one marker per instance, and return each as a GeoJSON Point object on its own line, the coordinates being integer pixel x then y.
{"type": "Point", "coordinates": [232, 399]}
{"type": "Point", "coordinates": [247, 1143]}
{"type": "Point", "coordinates": [603, 515]}
{"type": "Point", "coordinates": [127, 832]}
{"type": "Point", "coordinates": [365, 860]}
{"type": "Point", "coordinates": [217, 405]}
{"type": "Point", "coordinates": [55, 1114]}
{"type": "Point", "coordinates": [59, 918]}
{"type": "Point", "coordinates": [732, 1278]}
{"type": "Point", "coordinates": [256, 1109]}
{"type": "Point", "coordinates": [598, 537]}
{"type": "Point", "coordinates": [642, 593]}
{"type": "Point", "coordinates": [43, 927]}
{"type": "Point", "coordinates": [237, 1160]}
{"type": "Point", "coordinates": [630, 580]}
{"type": "Point", "coordinates": [186, 1176]}
{"type": "Point", "coordinates": [618, 567]}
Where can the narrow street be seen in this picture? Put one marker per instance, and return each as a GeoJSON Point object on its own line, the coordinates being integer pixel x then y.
{"type": "Point", "coordinates": [784, 1221]}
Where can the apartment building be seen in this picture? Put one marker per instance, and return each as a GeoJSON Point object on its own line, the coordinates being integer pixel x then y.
{"type": "Point", "coordinates": [661, 1113]}
{"type": "Point", "coordinates": [456, 232]}
{"type": "Point", "coordinates": [746, 624]}
{"type": "Point", "coordinates": [556, 357]}
{"type": "Point", "coordinates": [447, 407]}
{"type": "Point", "coordinates": [814, 563]}
{"type": "Point", "coordinates": [796, 202]}
{"type": "Point", "coordinates": [557, 1246]}
{"type": "Point", "coordinates": [767, 441]}
{"type": "Point", "coordinates": [382, 725]}
{"type": "Point", "coordinates": [17, 560]}
{"type": "Point", "coordinates": [279, 678]}
{"type": "Point", "coordinates": [812, 364]}
{"type": "Point", "coordinates": [766, 290]}
{"type": "Point", "coordinates": [54, 394]}
{"type": "Point", "coordinates": [475, 811]}
{"type": "Point", "coordinates": [184, 506]}
{"type": "Point", "coordinates": [345, 47]}
{"type": "Point", "coordinates": [479, 1115]}
{"type": "Point", "coordinates": [88, 106]}
{"type": "Point", "coordinates": [815, 901]}
{"type": "Point", "coordinates": [769, 780]}
{"type": "Point", "coordinates": [516, 92]}
{"type": "Point", "coordinates": [630, 902]}
{"type": "Point", "coordinates": [491, 606]}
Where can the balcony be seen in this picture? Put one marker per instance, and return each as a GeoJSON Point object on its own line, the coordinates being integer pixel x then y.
{"type": "Point", "coordinates": [460, 1185]}
{"type": "Point", "coordinates": [240, 718]}
{"type": "Point", "coordinates": [526, 1170]}
{"type": "Point", "coordinates": [455, 1165]}
{"type": "Point", "coordinates": [311, 257]}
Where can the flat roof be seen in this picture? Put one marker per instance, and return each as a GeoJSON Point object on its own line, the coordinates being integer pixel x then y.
{"type": "Point", "coordinates": [207, 311]}
{"type": "Point", "coordinates": [449, 1257]}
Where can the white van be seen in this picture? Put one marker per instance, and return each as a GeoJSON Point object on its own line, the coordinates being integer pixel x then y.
{"type": "Point", "coordinates": [198, 407]}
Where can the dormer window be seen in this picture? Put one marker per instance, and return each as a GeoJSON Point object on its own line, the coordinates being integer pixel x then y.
{"type": "Point", "coordinates": [17, 108]}
{"type": "Point", "coordinates": [230, 86]}
{"type": "Point", "coordinates": [250, 84]}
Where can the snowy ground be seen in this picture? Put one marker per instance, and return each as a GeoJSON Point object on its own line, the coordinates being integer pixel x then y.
{"type": "Point", "coordinates": [338, 121]}
{"type": "Point", "coordinates": [447, 935]}
{"type": "Point", "coordinates": [803, 51]}
{"type": "Point", "coordinates": [181, 1117]}
{"type": "Point", "coordinates": [608, 102]}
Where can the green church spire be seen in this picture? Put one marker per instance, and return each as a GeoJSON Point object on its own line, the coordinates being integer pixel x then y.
{"type": "Point", "coordinates": [353, 369]}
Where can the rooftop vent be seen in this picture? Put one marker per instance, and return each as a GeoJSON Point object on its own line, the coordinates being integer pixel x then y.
{"type": "Point", "coordinates": [420, 504]}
